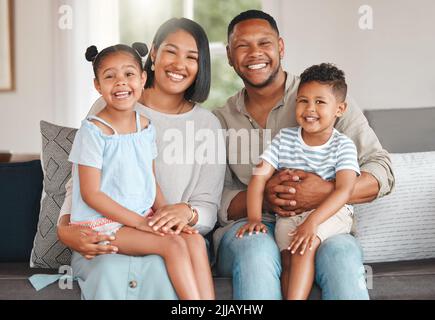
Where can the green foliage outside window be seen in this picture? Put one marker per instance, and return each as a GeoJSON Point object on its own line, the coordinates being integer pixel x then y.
{"type": "Point", "coordinates": [215, 15]}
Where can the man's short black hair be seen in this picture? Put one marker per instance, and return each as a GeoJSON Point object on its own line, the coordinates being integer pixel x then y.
{"type": "Point", "coordinates": [326, 73]}
{"type": "Point", "coordinates": [251, 14]}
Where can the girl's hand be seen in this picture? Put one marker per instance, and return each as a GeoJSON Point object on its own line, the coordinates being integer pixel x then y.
{"type": "Point", "coordinates": [85, 241]}
{"type": "Point", "coordinates": [303, 237]}
{"type": "Point", "coordinates": [173, 216]}
{"type": "Point", "coordinates": [250, 227]}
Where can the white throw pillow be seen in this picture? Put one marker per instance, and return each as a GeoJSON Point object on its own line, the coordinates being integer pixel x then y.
{"type": "Point", "coordinates": [401, 226]}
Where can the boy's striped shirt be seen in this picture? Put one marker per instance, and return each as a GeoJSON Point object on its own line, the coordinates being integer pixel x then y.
{"type": "Point", "coordinates": [288, 150]}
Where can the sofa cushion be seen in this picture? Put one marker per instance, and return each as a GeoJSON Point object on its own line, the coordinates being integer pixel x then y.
{"type": "Point", "coordinates": [404, 130]}
{"type": "Point", "coordinates": [20, 195]}
{"type": "Point", "coordinates": [390, 280]}
{"type": "Point", "coordinates": [48, 251]}
{"type": "Point", "coordinates": [401, 226]}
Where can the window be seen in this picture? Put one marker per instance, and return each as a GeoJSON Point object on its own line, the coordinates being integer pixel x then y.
{"type": "Point", "coordinates": [139, 20]}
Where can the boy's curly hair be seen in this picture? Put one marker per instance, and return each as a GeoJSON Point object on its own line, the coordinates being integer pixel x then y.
{"type": "Point", "coordinates": [326, 73]}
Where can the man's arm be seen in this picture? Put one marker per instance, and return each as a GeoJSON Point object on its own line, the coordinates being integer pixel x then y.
{"type": "Point", "coordinates": [237, 208]}
{"type": "Point", "coordinates": [372, 158]}
{"type": "Point", "coordinates": [366, 189]}
{"type": "Point", "coordinates": [311, 190]}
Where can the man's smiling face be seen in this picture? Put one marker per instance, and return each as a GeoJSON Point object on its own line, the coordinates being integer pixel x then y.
{"type": "Point", "coordinates": [255, 51]}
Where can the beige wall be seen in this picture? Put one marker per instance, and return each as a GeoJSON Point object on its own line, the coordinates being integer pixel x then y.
{"type": "Point", "coordinates": [20, 111]}
{"type": "Point", "coordinates": [391, 66]}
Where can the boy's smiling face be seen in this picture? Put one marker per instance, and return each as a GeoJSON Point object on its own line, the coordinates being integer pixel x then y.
{"type": "Point", "coordinates": [317, 108]}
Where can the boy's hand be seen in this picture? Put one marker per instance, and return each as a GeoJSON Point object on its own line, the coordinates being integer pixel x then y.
{"type": "Point", "coordinates": [250, 227]}
{"type": "Point", "coordinates": [303, 237]}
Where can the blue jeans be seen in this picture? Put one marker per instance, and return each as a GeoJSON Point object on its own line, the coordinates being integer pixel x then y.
{"type": "Point", "coordinates": [339, 269]}
{"type": "Point", "coordinates": [254, 264]}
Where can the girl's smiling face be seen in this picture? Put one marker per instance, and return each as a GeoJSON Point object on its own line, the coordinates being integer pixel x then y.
{"type": "Point", "coordinates": [120, 80]}
{"type": "Point", "coordinates": [176, 62]}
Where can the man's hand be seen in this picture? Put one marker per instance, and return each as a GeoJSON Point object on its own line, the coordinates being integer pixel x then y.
{"type": "Point", "coordinates": [277, 195]}
{"type": "Point", "coordinates": [291, 192]}
{"type": "Point", "coordinates": [310, 191]}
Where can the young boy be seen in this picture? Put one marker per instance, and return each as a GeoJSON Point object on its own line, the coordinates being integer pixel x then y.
{"type": "Point", "coordinates": [314, 146]}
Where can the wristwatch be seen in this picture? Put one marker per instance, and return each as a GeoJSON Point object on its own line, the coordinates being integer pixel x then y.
{"type": "Point", "coordinates": [194, 214]}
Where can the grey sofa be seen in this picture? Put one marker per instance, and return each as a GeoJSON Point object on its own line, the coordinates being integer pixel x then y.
{"type": "Point", "coordinates": [391, 280]}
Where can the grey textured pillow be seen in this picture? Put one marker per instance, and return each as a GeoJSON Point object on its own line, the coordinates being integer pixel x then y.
{"type": "Point", "coordinates": [401, 226]}
{"type": "Point", "coordinates": [48, 251]}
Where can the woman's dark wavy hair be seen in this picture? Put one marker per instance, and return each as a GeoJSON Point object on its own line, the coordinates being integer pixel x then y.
{"type": "Point", "coordinates": [200, 88]}
{"type": "Point", "coordinates": [326, 73]}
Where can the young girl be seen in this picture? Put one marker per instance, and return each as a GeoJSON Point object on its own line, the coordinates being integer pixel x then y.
{"type": "Point", "coordinates": [114, 187]}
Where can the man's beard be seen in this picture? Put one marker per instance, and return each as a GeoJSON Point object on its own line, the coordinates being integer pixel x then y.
{"type": "Point", "coordinates": [264, 83]}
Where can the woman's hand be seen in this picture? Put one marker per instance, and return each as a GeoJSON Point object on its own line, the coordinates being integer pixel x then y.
{"type": "Point", "coordinates": [170, 217]}
{"type": "Point", "coordinates": [145, 227]}
{"type": "Point", "coordinates": [85, 240]}
{"type": "Point", "coordinates": [250, 227]}
{"type": "Point", "coordinates": [303, 237]}
{"type": "Point", "coordinates": [189, 230]}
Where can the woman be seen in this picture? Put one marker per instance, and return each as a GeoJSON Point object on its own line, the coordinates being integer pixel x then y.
{"type": "Point", "coordinates": [178, 69]}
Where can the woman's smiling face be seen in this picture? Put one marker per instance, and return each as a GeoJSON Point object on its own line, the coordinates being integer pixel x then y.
{"type": "Point", "coordinates": [176, 62]}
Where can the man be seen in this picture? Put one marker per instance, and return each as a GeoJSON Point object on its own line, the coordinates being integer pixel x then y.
{"type": "Point", "coordinates": [267, 104]}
